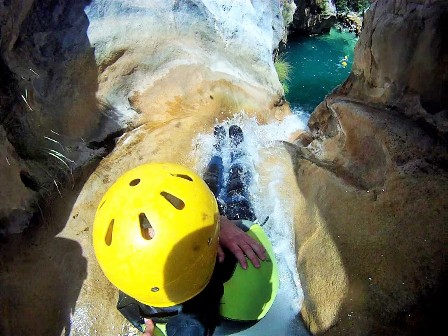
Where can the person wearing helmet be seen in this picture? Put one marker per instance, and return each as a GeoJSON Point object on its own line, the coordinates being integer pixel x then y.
{"type": "Point", "coordinates": [158, 232]}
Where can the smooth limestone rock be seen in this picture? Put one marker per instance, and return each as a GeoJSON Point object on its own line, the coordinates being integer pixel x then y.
{"type": "Point", "coordinates": [371, 241]}
{"type": "Point", "coordinates": [400, 55]}
{"type": "Point", "coordinates": [196, 54]}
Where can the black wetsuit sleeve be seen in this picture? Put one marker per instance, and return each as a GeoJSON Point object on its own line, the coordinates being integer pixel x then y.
{"type": "Point", "coordinates": [135, 311]}
{"type": "Point", "coordinates": [129, 308]}
{"type": "Point", "coordinates": [197, 316]}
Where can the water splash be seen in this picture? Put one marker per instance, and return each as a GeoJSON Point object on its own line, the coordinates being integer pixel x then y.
{"type": "Point", "coordinates": [268, 203]}
{"type": "Point", "coordinates": [331, 6]}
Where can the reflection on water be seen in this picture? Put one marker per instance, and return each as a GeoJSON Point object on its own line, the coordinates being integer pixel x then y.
{"type": "Point", "coordinates": [318, 65]}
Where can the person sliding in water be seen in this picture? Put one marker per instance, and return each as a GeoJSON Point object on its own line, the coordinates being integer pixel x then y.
{"type": "Point", "coordinates": [158, 232]}
{"type": "Point", "coordinates": [344, 61]}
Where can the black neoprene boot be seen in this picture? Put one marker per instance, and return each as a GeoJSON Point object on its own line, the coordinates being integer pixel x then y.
{"type": "Point", "coordinates": [236, 136]}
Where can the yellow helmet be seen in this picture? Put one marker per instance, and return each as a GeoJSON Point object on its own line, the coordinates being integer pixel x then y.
{"type": "Point", "coordinates": [155, 234]}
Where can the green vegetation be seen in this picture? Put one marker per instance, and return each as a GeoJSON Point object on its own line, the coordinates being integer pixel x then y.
{"type": "Point", "coordinates": [353, 5]}
{"type": "Point", "coordinates": [283, 69]}
{"type": "Point", "coordinates": [323, 7]}
{"type": "Point", "coordinates": [289, 7]}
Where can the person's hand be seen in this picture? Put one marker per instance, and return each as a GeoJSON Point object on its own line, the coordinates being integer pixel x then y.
{"type": "Point", "coordinates": [149, 331]}
{"type": "Point", "coordinates": [239, 243]}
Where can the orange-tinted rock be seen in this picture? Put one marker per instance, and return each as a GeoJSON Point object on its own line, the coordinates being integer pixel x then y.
{"type": "Point", "coordinates": [375, 181]}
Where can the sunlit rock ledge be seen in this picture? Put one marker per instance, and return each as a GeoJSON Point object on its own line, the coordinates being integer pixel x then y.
{"type": "Point", "coordinates": [158, 58]}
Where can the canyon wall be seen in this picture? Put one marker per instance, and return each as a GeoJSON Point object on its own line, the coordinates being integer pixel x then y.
{"type": "Point", "coordinates": [371, 241]}
{"type": "Point", "coordinates": [313, 17]}
{"type": "Point", "coordinates": [368, 179]}
{"type": "Point", "coordinates": [51, 120]}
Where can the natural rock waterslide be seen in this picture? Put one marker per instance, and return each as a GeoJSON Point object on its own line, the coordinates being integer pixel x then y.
{"type": "Point", "coordinates": [368, 181]}
{"type": "Point", "coordinates": [163, 72]}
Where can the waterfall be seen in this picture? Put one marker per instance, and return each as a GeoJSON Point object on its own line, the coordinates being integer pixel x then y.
{"type": "Point", "coordinates": [276, 216]}
{"type": "Point", "coordinates": [331, 6]}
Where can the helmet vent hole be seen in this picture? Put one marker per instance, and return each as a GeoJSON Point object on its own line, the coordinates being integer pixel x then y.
{"type": "Point", "coordinates": [175, 202]}
{"type": "Point", "coordinates": [146, 227]}
{"type": "Point", "coordinates": [185, 177]}
{"type": "Point", "coordinates": [134, 182]}
{"type": "Point", "coordinates": [102, 204]}
{"type": "Point", "coordinates": [110, 229]}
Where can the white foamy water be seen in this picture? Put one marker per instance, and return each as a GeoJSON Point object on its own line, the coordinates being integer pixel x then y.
{"type": "Point", "coordinates": [282, 319]}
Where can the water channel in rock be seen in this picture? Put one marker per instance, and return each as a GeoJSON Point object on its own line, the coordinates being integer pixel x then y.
{"type": "Point", "coordinates": [317, 66]}
{"type": "Point", "coordinates": [273, 211]}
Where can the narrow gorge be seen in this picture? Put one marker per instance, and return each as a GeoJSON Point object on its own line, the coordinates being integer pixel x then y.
{"type": "Point", "coordinates": [357, 197]}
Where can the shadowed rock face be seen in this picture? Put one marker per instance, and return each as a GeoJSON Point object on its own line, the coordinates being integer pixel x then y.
{"type": "Point", "coordinates": [48, 110]}
{"type": "Point", "coordinates": [313, 17]}
{"type": "Point", "coordinates": [48, 106]}
{"type": "Point", "coordinates": [372, 237]}
{"type": "Point", "coordinates": [44, 47]}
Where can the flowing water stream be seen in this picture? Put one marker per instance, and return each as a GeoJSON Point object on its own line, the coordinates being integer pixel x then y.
{"type": "Point", "coordinates": [318, 64]}
{"type": "Point", "coordinates": [316, 69]}
{"type": "Point", "coordinates": [275, 215]}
